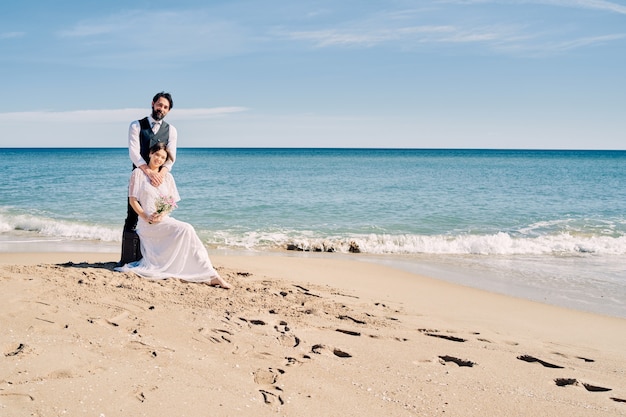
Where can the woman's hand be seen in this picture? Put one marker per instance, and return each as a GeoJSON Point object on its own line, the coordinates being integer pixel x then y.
{"type": "Point", "coordinates": [155, 218]}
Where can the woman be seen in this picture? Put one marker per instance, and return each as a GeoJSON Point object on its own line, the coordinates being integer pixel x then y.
{"type": "Point", "coordinates": [170, 248]}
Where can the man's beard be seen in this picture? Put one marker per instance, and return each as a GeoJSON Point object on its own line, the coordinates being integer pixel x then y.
{"type": "Point", "coordinates": [157, 115]}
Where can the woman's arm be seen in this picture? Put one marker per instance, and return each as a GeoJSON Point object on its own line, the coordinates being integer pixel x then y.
{"type": "Point", "coordinates": [138, 209]}
{"type": "Point", "coordinates": [153, 218]}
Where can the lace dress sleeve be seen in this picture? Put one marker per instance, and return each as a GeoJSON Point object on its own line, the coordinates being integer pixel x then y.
{"type": "Point", "coordinates": [134, 185]}
{"type": "Point", "coordinates": [171, 187]}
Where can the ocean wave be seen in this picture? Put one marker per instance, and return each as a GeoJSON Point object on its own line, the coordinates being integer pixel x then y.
{"type": "Point", "coordinates": [536, 239]}
{"type": "Point", "coordinates": [494, 244]}
{"type": "Point", "coordinates": [42, 226]}
{"type": "Point", "coordinates": [614, 227]}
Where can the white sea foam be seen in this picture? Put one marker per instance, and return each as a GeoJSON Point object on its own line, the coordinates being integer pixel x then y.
{"type": "Point", "coordinates": [42, 226]}
{"type": "Point", "coordinates": [494, 244]}
{"type": "Point", "coordinates": [524, 242]}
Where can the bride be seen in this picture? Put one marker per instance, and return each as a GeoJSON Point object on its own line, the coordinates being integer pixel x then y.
{"type": "Point", "coordinates": [171, 248]}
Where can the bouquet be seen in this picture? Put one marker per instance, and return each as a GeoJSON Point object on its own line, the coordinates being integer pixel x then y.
{"type": "Point", "coordinates": [164, 205]}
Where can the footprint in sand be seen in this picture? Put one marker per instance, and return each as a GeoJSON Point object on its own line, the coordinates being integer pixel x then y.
{"type": "Point", "coordinates": [563, 382]}
{"type": "Point", "coordinates": [587, 360]}
{"type": "Point", "coordinates": [291, 361]}
{"type": "Point", "coordinates": [16, 399]}
{"type": "Point", "coordinates": [16, 351]}
{"type": "Point", "coordinates": [435, 333]}
{"type": "Point", "coordinates": [253, 321]}
{"type": "Point", "coordinates": [319, 349]}
{"type": "Point", "coordinates": [139, 392]}
{"type": "Point", "coordinates": [306, 291]}
{"type": "Point", "coordinates": [270, 398]}
{"type": "Point", "coordinates": [282, 327]}
{"type": "Point", "coordinates": [349, 332]}
{"type": "Point", "coordinates": [459, 362]}
{"type": "Point", "coordinates": [268, 378]}
{"type": "Point", "coordinates": [531, 359]}
{"type": "Point", "coordinates": [115, 321]}
{"type": "Point", "coordinates": [351, 319]}
{"type": "Point", "coordinates": [286, 338]}
{"type": "Point", "coordinates": [289, 340]}
{"type": "Point", "coordinates": [216, 335]}
{"type": "Point", "coordinates": [355, 333]}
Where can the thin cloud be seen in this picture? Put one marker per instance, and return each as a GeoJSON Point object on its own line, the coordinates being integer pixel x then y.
{"type": "Point", "coordinates": [588, 41]}
{"type": "Point", "coordinates": [366, 38]}
{"type": "Point", "coordinates": [468, 26]}
{"type": "Point", "coordinates": [334, 37]}
{"type": "Point", "coordinates": [410, 35]}
{"type": "Point", "coordinates": [129, 38]}
{"type": "Point", "coordinates": [586, 4]}
{"type": "Point", "coordinates": [577, 4]}
{"type": "Point", "coordinates": [82, 30]}
{"type": "Point", "coordinates": [200, 114]}
{"type": "Point", "coordinates": [112, 116]}
{"type": "Point", "coordinates": [12, 35]}
{"type": "Point", "coordinates": [477, 35]}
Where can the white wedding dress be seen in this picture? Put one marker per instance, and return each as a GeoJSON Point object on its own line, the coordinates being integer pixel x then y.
{"type": "Point", "coordinates": [170, 248]}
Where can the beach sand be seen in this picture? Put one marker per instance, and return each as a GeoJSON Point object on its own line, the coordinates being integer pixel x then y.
{"type": "Point", "coordinates": [297, 336]}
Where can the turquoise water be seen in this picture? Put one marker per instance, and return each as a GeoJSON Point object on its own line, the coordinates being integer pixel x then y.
{"type": "Point", "coordinates": [549, 225]}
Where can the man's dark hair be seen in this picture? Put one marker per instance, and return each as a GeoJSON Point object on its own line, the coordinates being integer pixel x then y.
{"type": "Point", "coordinates": [166, 96]}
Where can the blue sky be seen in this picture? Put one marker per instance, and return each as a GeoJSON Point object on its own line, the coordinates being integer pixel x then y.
{"type": "Point", "coordinates": [547, 74]}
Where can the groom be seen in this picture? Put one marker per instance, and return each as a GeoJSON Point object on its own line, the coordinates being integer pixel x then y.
{"type": "Point", "coordinates": [142, 135]}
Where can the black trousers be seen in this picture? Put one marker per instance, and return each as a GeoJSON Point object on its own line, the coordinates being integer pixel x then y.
{"type": "Point", "coordinates": [131, 250]}
{"type": "Point", "coordinates": [131, 218]}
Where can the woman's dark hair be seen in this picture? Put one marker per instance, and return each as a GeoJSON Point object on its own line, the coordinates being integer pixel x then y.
{"type": "Point", "coordinates": [160, 146]}
{"type": "Point", "coordinates": [166, 96]}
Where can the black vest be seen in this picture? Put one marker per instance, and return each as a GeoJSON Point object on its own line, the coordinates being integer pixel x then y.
{"type": "Point", "coordinates": [147, 138]}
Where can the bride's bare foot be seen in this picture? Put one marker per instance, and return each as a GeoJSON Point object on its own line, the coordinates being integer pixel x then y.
{"type": "Point", "coordinates": [219, 281]}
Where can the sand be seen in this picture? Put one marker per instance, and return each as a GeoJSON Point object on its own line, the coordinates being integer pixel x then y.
{"type": "Point", "coordinates": [297, 336]}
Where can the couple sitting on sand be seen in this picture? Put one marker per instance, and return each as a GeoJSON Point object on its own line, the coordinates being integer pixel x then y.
{"type": "Point", "coordinates": [170, 248]}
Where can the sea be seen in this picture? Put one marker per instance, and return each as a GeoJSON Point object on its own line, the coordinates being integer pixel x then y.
{"type": "Point", "coordinates": [545, 225]}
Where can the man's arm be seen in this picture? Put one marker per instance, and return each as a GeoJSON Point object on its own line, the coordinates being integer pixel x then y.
{"type": "Point", "coordinates": [171, 148]}
{"type": "Point", "coordinates": [134, 147]}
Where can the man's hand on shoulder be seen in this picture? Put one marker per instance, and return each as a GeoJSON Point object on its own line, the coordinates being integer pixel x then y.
{"type": "Point", "coordinates": [155, 177]}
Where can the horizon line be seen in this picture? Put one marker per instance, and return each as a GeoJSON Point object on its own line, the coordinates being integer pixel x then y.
{"type": "Point", "coordinates": [325, 148]}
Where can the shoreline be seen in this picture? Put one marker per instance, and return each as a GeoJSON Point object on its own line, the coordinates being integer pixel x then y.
{"type": "Point", "coordinates": [296, 335]}
{"type": "Point", "coordinates": [459, 270]}
{"type": "Point", "coordinates": [577, 282]}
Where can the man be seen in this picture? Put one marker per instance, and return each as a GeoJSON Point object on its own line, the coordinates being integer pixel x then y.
{"type": "Point", "coordinates": [142, 134]}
